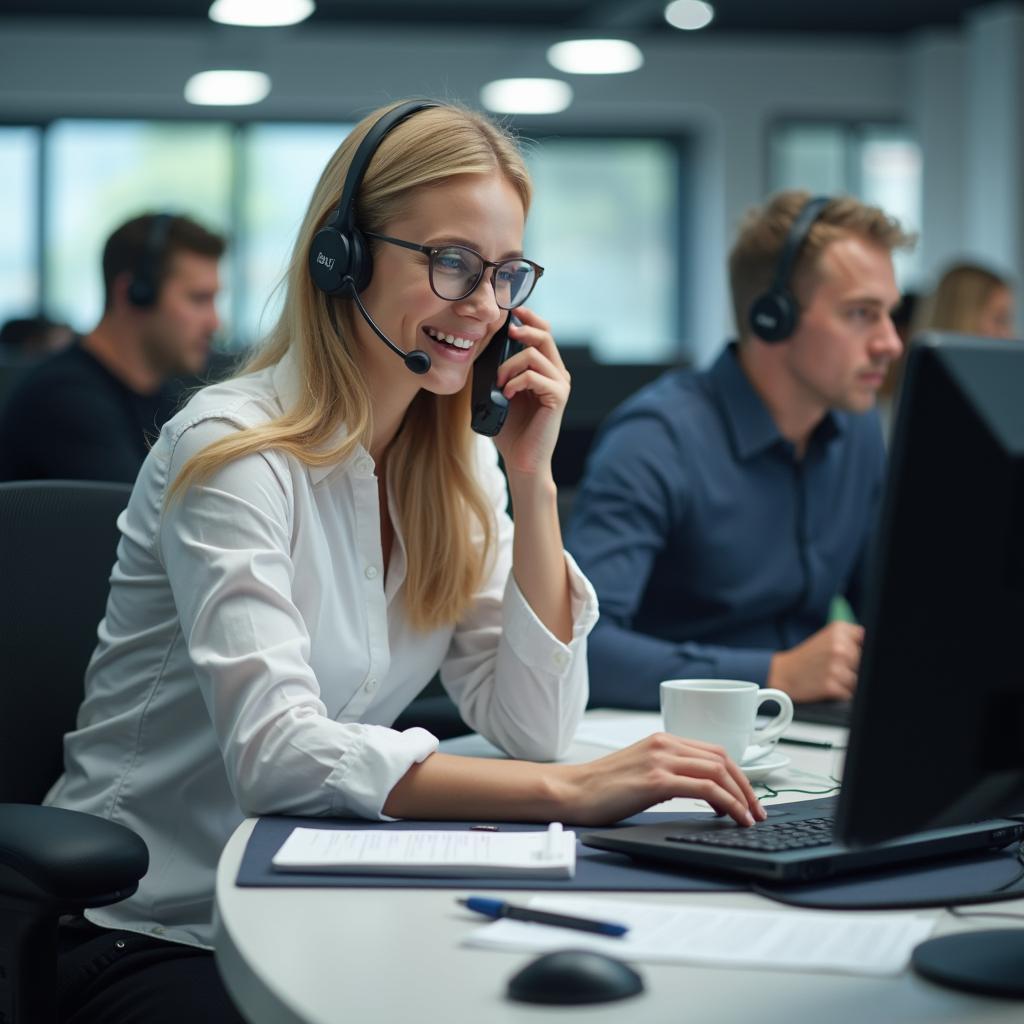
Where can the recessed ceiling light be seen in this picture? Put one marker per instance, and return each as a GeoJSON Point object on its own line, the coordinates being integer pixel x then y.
{"type": "Point", "coordinates": [526, 95]}
{"type": "Point", "coordinates": [689, 14]}
{"type": "Point", "coordinates": [227, 88]}
{"type": "Point", "coordinates": [595, 56]}
{"type": "Point", "coordinates": [261, 12]}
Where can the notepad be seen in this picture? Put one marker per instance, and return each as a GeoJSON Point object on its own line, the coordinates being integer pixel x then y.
{"type": "Point", "coordinates": [444, 854]}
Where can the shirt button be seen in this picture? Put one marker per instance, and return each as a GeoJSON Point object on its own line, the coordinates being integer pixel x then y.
{"type": "Point", "coordinates": [561, 659]}
{"type": "Point", "coordinates": [371, 572]}
{"type": "Point", "coordinates": [365, 466]}
{"type": "Point", "coordinates": [371, 685]}
{"type": "Point", "coordinates": [157, 930]}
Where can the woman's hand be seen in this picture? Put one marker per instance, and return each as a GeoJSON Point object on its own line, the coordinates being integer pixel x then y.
{"type": "Point", "coordinates": [601, 792]}
{"type": "Point", "coordinates": [536, 384]}
{"type": "Point", "coordinates": [657, 768]}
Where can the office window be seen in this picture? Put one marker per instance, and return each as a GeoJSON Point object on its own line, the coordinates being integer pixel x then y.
{"type": "Point", "coordinates": [890, 169]}
{"type": "Point", "coordinates": [281, 166]}
{"type": "Point", "coordinates": [813, 157]}
{"type": "Point", "coordinates": [100, 173]}
{"type": "Point", "coordinates": [880, 164]}
{"type": "Point", "coordinates": [604, 224]}
{"type": "Point", "coordinates": [19, 205]}
{"type": "Point", "coordinates": [606, 221]}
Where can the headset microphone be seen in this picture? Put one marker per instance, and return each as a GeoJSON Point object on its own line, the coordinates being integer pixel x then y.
{"type": "Point", "coordinates": [417, 361]}
{"type": "Point", "coordinates": [340, 261]}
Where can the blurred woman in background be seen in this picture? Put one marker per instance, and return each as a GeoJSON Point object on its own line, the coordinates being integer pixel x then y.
{"type": "Point", "coordinates": [970, 299]}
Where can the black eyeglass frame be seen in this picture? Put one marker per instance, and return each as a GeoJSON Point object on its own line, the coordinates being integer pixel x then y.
{"type": "Point", "coordinates": [431, 250]}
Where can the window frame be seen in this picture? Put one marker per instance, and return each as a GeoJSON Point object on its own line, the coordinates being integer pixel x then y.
{"type": "Point", "coordinates": [530, 130]}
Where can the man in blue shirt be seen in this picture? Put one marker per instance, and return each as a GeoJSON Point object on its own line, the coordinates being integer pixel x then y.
{"type": "Point", "coordinates": [721, 511]}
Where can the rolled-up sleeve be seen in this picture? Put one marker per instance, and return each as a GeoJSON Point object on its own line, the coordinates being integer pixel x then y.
{"type": "Point", "coordinates": [513, 680]}
{"type": "Point", "coordinates": [226, 548]}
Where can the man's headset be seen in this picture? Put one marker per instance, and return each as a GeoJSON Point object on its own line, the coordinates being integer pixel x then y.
{"type": "Point", "coordinates": [340, 261]}
{"type": "Point", "coordinates": [145, 284]}
{"type": "Point", "coordinates": [774, 314]}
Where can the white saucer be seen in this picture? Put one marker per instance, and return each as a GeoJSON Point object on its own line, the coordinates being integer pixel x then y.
{"type": "Point", "coordinates": [761, 768]}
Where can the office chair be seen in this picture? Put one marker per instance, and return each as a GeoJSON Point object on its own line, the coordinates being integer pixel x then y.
{"type": "Point", "coordinates": [57, 545]}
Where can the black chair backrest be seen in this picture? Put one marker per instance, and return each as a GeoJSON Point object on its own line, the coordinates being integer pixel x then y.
{"type": "Point", "coordinates": [58, 544]}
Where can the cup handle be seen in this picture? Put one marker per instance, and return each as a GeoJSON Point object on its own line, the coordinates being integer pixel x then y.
{"type": "Point", "coordinates": [769, 733]}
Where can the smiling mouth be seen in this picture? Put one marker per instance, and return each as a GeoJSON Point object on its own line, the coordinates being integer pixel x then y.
{"type": "Point", "coordinates": [451, 340]}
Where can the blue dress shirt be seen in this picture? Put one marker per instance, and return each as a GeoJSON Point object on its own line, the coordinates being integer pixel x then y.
{"type": "Point", "coordinates": [710, 544]}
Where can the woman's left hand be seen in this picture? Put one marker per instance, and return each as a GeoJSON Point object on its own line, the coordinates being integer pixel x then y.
{"type": "Point", "coordinates": [536, 383]}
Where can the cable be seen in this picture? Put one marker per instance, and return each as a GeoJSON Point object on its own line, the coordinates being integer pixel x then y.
{"type": "Point", "coordinates": [983, 913]}
{"type": "Point", "coordinates": [772, 792]}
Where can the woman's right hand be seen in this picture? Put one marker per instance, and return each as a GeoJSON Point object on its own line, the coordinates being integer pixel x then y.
{"type": "Point", "coordinates": [657, 768]}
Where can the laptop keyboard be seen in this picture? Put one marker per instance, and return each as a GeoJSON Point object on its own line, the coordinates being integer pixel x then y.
{"type": "Point", "coordinates": [766, 837]}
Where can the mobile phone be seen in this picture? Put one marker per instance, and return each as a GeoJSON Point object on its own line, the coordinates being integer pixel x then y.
{"type": "Point", "coordinates": [489, 405]}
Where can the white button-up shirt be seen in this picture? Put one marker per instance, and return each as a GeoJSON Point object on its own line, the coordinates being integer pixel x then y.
{"type": "Point", "coordinates": [254, 654]}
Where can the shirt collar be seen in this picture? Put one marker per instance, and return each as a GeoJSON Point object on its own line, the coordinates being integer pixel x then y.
{"type": "Point", "coordinates": [289, 384]}
{"type": "Point", "coordinates": [747, 417]}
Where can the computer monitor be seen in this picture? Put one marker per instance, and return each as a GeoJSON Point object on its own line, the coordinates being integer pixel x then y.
{"type": "Point", "coordinates": [937, 730]}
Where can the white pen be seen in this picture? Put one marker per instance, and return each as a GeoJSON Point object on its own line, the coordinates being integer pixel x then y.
{"type": "Point", "coordinates": [553, 846]}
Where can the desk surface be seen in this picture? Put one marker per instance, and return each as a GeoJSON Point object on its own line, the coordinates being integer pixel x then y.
{"type": "Point", "coordinates": [318, 956]}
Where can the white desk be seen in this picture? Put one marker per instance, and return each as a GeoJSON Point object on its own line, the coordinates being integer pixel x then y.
{"type": "Point", "coordinates": [380, 956]}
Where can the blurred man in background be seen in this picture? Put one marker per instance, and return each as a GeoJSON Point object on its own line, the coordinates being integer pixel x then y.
{"type": "Point", "coordinates": [32, 337]}
{"type": "Point", "coordinates": [91, 411]}
{"type": "Point", "coordinates": [722, 511]}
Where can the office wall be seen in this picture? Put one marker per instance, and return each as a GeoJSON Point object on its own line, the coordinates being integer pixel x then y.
{"type": "Point", "coordinates": [725, 92]}
{"type": "Point", "coordinates": [967, 108]}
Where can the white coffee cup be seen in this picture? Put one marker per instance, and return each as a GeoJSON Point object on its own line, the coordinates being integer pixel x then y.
{"type": "Point", "coordinates": [724, 712]}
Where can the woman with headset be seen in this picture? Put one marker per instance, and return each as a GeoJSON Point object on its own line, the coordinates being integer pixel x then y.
{"type": "Point", "coordinates": [309, 542]}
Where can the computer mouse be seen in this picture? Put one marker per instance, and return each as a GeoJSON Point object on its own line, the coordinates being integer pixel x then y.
{"type": "Point", "coordinates": [569, 976]}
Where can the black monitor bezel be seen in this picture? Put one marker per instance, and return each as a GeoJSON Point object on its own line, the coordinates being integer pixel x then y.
{"type": "Point", "coordinates": [913, 761]}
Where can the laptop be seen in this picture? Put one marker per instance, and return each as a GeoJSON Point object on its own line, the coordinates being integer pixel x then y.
{"type": "Point", "coordinates": [935, 758]}
{"type": "Point", "coordinates": [795, 844]}
{"type": "Point", "coordinates": [824, 712]}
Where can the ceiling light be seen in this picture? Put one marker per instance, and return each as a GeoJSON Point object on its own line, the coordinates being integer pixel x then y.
{"type": "Point", "coordinates": [261, 12]}
{"type": "Point", "coordinates": [689, 14]}
{"type": "Point", "coordinates": [227, 88]}
{"type": "Point", "coordinates": [526, 95]}
{"type": "Point", "coordinates": [595, 56]}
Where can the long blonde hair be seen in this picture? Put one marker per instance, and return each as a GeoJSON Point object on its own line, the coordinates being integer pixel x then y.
{"type": "Point", "coordinates": [957, 303]}
{"type": "Point", "coordinates": [432, 454]}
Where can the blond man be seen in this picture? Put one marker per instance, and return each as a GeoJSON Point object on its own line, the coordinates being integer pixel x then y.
{"type": "Point", "coordinates": [722, 510]}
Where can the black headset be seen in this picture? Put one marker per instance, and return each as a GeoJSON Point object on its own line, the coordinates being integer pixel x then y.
{"type": "Point", "coordinates": [340, 261]}
{"type": "Point", "coordinates": [145, 286]}
{"type": "Point", "coordinates": [774, 314]}
{"type": "Point", "coordinates": [339, 258]}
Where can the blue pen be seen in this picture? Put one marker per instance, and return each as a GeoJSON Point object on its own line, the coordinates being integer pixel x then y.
{"type": "Point", "coordinates": [496, 909]}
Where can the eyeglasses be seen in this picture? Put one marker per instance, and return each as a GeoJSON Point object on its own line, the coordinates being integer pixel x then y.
{"type": "Point", "coordinates": [456, 271]}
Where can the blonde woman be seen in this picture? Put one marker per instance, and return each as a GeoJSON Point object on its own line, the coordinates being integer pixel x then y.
{"type": "Point", "coordinates": [971, 299]}
{"type": "Point", "coordinates": [309, 542]}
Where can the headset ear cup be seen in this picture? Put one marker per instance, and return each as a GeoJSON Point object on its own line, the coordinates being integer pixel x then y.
{"type": "Point", "coordinates": [773, 316]}
{"type": "Point", "coordinates": [336, 256]}
{"type": "Point", "coordinates": [360, 259]}
{"type": "Point", "coordinates": [140, 293]}
{"type": "Point", "coordinates": [329, 258]}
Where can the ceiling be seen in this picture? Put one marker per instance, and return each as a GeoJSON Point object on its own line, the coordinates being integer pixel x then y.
{"type": "Point", "coordinates": [886, 17]}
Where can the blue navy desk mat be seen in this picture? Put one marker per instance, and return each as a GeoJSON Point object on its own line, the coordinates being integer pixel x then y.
{"type": "Point", "coordinates": [933, 884]}
{"type": "Point", "coordinates": [595, 869]}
